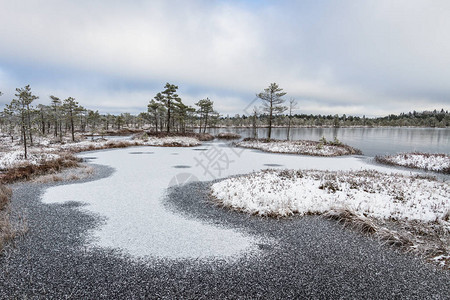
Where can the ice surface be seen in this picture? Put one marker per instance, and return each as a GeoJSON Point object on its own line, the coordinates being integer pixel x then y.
{"type": "Point", "coordinates": [130, 199]}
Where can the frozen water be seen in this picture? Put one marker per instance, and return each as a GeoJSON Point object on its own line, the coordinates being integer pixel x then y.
{"type": "Point", "coordinates": [130, 199]}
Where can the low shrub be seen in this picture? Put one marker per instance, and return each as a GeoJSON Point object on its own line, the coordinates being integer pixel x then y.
{"type": "Point", "coordinates": [5, 196]}
{"type": "Point", "coordinates": [6, 231]}
{"type": "Point", "coordinates": [199, 136]}
{"type": "Point", "coordinates": [26, 171]}
{"type": "Point", "coordinates": [228, 136]}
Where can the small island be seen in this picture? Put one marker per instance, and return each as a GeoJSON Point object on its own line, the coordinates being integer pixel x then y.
{"type": "Point", "coordinates": [304, 147]}
{"type": "Point", "coordinates": [410, 212]}
{"type": "Point", "coordinates": [228, 136]}
{"type": "Point", "coordinates": [425, 161]}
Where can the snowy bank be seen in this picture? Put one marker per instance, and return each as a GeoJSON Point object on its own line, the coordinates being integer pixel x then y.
{"type": "Point", "coordinates": [228, 136]}
{"type": "Point", "coordinates": [321, 148]}
{"type": "Point", "coordinates": [425, 161]}
{"type": "Point", "coordinates": [415, 208]}
{"type": "Point", "coordinates": [48, 156]}
{"type": "Point", "coordinates": [17, 158]}
{"type": "Point", "coordinates": [370, 193]}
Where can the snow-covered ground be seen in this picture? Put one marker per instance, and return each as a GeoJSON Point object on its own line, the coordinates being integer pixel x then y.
{"type": "Point", "coordinates": [425, 161]}
{"type": "Point", "coordinates": [298, 147]}
{"type": "Point", "coordinates": [16, 158]}
{"type": "Point", "coordinates": [368, 193]}
{"type": "Point", "coordinates": [44, 150]}
{"type": "Point", "coordinates": [131, 198]}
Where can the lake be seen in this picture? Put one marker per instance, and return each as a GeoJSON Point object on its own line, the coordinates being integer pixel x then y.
{"type": "Point", "coordinates": [132, 198]}
{"type": "Point", "coordinates": [371, 141]}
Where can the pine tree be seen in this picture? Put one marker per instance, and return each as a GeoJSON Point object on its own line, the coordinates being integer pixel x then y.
{"type": "Point", "coordinates": [22, 106]}
{"type": "Point", "coordinates": [205, 109]}
{"type": "Point", "coordinates": [153, 110]}
{"type": "Point", "coordinates": [71, 109]}
{"type": "Point", "coordinates": [168, 98]}
{"type": "Point", "coordinates": [272, 103]}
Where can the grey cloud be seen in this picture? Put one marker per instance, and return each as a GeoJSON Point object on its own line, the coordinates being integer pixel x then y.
{"type": "Point", "coordinates": [351, 55]}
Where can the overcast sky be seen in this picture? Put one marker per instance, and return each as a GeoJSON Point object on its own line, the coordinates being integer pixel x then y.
{"type": "Point", "coordinates": [355, 57]}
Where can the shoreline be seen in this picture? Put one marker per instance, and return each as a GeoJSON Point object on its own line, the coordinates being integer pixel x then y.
{"type": "Point", "coordinates": [304, 255]}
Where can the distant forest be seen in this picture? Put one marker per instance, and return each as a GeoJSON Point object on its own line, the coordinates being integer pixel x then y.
{"type": "Point", "coordinates": [167, 112]}
{"type": "Point", "coordinates": [436, 118]}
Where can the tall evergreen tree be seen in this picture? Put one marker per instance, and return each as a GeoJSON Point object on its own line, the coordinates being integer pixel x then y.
{"type": "Point", "coordinates": [205, 110]}
{"type": "Point", "coordinates": [168, 98]}
{"type": "Point", "coordinates": [153, 110]}
{"type": "Point", "coordinates": [272, 103]}
{"type": "Point", "coordinates": [22, 105]}
{"type": "Point", "coordinates": [71, 109]}
{"type": "Point", "coordinates": [56, 110]}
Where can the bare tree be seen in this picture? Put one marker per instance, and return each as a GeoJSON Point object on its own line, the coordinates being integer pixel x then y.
{"type": "Point", "coordinates": [254, 120]}
{"type": "Point", "coordinates": [292, 106]}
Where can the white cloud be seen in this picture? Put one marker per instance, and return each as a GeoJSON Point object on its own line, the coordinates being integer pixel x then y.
{"type": "Point", "coordinates": [349, 54]}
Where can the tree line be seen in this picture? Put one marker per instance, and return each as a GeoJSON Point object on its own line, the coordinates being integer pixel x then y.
{"type": "Point", "coordinates": [61, 117]}
{"type": "Point", "coordinates": [22, 119]}
{"type": "Point", "coordinates": [167, 112]}
{"type": "Point", "coordinates": [435, 118]}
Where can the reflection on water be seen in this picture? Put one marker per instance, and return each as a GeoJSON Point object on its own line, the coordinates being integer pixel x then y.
{"type": "Point", "coordinates": [372, 141]}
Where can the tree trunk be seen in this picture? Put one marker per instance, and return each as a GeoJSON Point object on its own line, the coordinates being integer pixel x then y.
{"type": "Point", "coordinates": [72, 127]}
{"type": "Point", "coordinates": [270, 124]}
{"type": "Point", "coordinates": [60, 131]}
{"type": "Point", "coordinates": [206, 122]}
{"type": "Point", "coordinates": [56, 127]}
{"type": "Point", "coordinates": [43, 124]}
{"type": "Point", "coordinates": [29, 125]}
{"type": "Point", "coordinates": [24, 133]}
{"type": "Point", "coordinates": [168, 116]}
{"type": "Point", "coordinates": [289, 128]}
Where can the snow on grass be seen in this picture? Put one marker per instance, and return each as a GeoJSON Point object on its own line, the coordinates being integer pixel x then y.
{"type": "Point", "coordinates": [178, 141]}
{"type": "Point", "coordinates": [322, 148]}
{"type": "Point", "coordinates": [16, 158]}
{"type": "Point", "coordinates": [370, 193]}
{"type": "Point", "coordinates": [228, 136]}
{"type": "Point", "coordinates": [410, 212]}
{"type": "Point", "coordinates": [425, 161]}
{"type": "Point", "coordinates": [45, 150]}
{"type": "Point", "coordinates": [151, 141]}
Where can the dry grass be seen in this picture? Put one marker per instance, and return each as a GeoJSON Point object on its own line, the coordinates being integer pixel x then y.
{"type": "Point", "coordinates": [428, 240]}
{"type": "Point", "coordinates": [343, 149]}
{"type": "Point", "coordinates": [277, 197]}
{"type": "Point", "coordinates": [5, 196]}
{"type": "Point", "coordinates": [7, 231]}
{"type": "Point", "coordinates": [108, 145]}
{"type": "Point", "coordinates": [200, 136]}
{"type": "Point", "coordinates": [66, 175]}
{"type": "Point", "coordinates": [228, 136]}
{"type": "Point", "coordinates": [29, 171]}
{"type": "Point", "coordinates": [387, 160]}
{"type": "Point", "coordinates": [352, 220]}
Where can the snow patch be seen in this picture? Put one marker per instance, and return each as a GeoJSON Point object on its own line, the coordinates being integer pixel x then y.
{"type": "Point", "coordinates": [298, 147]}
{"type": "Point", "coordinates": [431, 162]}
{"type": "Point", "coordinates": [16, 158]}
{"type": "Point", "coordinates": [368, 193]}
